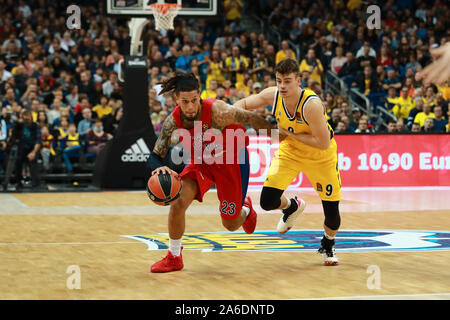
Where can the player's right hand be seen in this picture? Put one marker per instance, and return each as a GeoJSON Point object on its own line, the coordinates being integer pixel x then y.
{"type": "Point", "coordinates": [163, 170]}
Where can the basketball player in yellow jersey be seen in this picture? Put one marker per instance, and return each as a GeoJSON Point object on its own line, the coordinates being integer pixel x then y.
{"type": "Point", "coordinates": [308, 147]}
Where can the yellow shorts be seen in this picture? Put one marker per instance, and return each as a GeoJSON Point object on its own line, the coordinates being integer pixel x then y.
{"type": "Point", "coordinates": [320, 166]}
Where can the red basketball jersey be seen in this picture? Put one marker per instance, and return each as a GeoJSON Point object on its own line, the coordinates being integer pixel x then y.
{"type": "Point", "coordinates": [211, 146]}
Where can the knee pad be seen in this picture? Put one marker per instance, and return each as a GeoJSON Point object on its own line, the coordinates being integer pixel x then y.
{"type": "Point", "coordinates": [332, 216]}
{"type": "Point", "coordinates": [270, 198]}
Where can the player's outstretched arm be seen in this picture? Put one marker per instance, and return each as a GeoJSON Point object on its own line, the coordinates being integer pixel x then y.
{"type": "Point", "coordinates": [320, 134]}
{"type": "Point", "coordinates": [439, 71]}
{"type": "Point", "coordinates": [224, 114]}
{"type": "Point", "coordinates": [162, 146]}
{"type": "Point", "coordinates": [256, 101]}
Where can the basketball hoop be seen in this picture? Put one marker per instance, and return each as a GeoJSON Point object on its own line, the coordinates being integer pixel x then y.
{"type": "Point", "coordinates": [164, 14]}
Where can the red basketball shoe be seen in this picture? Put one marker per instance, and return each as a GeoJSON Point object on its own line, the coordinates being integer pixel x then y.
{"type": "Point", "coordinates": [168, 264]}
{"type": "Point", "coordinates": [249, 224]}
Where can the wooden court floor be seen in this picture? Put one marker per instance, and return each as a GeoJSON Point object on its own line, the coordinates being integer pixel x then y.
{"type": "Point", "coordinates": [43, 234]}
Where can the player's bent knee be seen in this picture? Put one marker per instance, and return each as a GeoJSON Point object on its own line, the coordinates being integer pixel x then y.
{"type": "Point", "coordinates": [270, 198]}
{"type": "Point", "coordinates": [230, 225]}
{"type": "Point", "coordinates": [332, 216]}
{"type": "Point", "coordinates": [180, 205]}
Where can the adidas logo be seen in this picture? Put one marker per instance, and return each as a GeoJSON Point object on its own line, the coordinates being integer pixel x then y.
{"type": "Point", "coordinates": [138, 152]}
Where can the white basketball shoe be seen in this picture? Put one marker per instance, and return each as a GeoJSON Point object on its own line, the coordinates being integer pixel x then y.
{"type": "Point", "coordinates": [287, 220]}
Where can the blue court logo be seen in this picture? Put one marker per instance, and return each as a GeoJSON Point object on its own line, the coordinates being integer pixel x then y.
{"type": "Point", "coordinates": [305, 240]}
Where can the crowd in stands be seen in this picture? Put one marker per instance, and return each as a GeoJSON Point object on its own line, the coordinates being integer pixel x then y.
{"type": "Point", "coordinates": [379, 63]}
{"type": "Point", "coordinates": [67, 80]}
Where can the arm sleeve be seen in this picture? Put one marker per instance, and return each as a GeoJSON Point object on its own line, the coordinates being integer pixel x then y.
{"type": "Point", "coordinates": [154, 161]}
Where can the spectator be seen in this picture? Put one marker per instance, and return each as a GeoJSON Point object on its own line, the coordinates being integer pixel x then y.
{"type": "Point", "coordinates": [4, 74]}
{"type": "Point", "coordinates": [72, 148]}
{"type": "Point", "coordinates": [211, 92]}
{"type": "Point", "coordinates": [366, 58]}
{"type": "Point", "coordinates": [428, 126]}
{"type": "Point", "coordinates": [72, 98]}
{"type": "Point", "coordinates": [86, 85]}
{"type": "Point", "coordinates": [367, 81]}
{"type": "Point", "coordinates": [103, 108]}
{"type": "Point", "coordinates": [418, 101]}
{"type": "Point", "coordinates": [355, 117]}
{"type": "Point", "coordinates": [400, 126]}
{"type": "Point", "coordinates": [391, 99]}
{"type": "Point", "coordinates": [27, 136]}
{"type": "Point", "coordinates": [341, 127]}
{"type": "Point", "coordinates": [415, 128]}
{"type": "Point", "coordinates": [439, 121]}
{"type": "Point", "coordinates": [85, 125]}
{"type": "Point", "coordinates": [233, 10]}
{"type": "Point", "coordinates": [42, 119]}
{"type": "Point", "coordinates": [349, 68]}
{"type": "Point", "coordinates": [312, 65]}
{"type": "Point", "coordinates": [384, 59]}
{"type": "Point", "coordinates": [338, 61]}
{"type": "Point", "coordinates": [335, 117]}
{"type": "Point", "coordinates": [413, 64]}
{"type": "Point", "coordinates": [47, 150]}
{"type": "Point", "coordinates": [236, 65]}
{"type": "Point", "coordinates": [391, 81]}
{"type": "Point", "coordinates": [425, 114]}
{"type": "Point", "coordinates": [391, 126]}
{"type": "Point", "coordinates": [97, 138]}
{"type": "Point", "coordinates": [9, 98]}
{"type": "Point", "coordinates": [183, 63]}
{"type": "Point", "coordinates": [260, 66]}
{"type": "Point", "coordinates": [430, 96]}
{"type": "Point", "coordinates": [108, 86]}
{"type": "Point", "coordinates": [404, 105]}
{"type": "Point", "coordinates": [285, 52]}
{"type": "Point", "coordinates": [362, 126]}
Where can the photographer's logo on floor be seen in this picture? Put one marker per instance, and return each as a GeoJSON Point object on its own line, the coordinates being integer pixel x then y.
{"type": "Point", "coordinates": [306, 240]}
{"type": "Point", "coordinates": [138, 152]}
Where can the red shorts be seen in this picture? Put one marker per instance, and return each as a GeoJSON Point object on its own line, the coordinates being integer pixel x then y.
{"type": "Point", "coordinates": [231, 181]}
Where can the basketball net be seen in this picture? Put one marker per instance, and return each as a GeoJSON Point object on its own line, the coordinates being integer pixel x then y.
{"type": "Point", "coordinates": [164, 14]}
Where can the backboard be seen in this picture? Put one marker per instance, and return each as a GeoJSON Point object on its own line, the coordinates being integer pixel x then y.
{"type": "Point", "coordinates": [135, 7]}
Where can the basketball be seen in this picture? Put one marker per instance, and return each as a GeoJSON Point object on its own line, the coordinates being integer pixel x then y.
{"type": "Point", "coordinates": [164, 188]}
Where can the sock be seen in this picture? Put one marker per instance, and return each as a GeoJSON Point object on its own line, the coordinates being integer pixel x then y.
{"type": "Point", "coordinates": [288, 204]}
{"type": "Point", "coordinates": [246, 210]}
{"type": "Point", "coordinates": [327, 236]}
{"type": "Point", "coordinates": [293, 206]}
{"type": "Point", "coordinates": [175, 246]}
{"type": "Point", "coordinates": [327, 243]}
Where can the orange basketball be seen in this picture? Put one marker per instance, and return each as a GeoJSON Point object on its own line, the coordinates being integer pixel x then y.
{"type": "Point", "coordinates": [163, 188]}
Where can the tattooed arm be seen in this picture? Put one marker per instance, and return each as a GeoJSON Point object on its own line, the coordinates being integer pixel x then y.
{"type": "Point", "coordinates": [162, 146]}
{"type": "Point", "coordinates": [224, 114]}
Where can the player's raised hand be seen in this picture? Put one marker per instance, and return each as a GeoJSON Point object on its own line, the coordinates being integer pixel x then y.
{"type": "Point", "coordinates": [439, 71]}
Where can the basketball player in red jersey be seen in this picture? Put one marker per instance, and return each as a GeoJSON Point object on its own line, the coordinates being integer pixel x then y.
{"type": "Point", "coordinates": [231, 179]}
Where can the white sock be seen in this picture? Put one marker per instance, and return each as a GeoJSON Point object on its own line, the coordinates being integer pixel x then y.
{"type": "Point", "coordinates": [175, 246]}
{"type": "Point", "coordinates": [288, 203]}
{"type": "Point", "coordinates": [327, 236]}
{"type": "Point", "coordinates": [246, 210]}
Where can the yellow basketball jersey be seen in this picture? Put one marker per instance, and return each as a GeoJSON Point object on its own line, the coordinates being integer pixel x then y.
{"type": "Point", "coordinates": [296, 122]}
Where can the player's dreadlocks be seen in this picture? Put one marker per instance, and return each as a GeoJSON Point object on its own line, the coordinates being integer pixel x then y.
{"type": "Point", "coordinates": [180, 82]}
